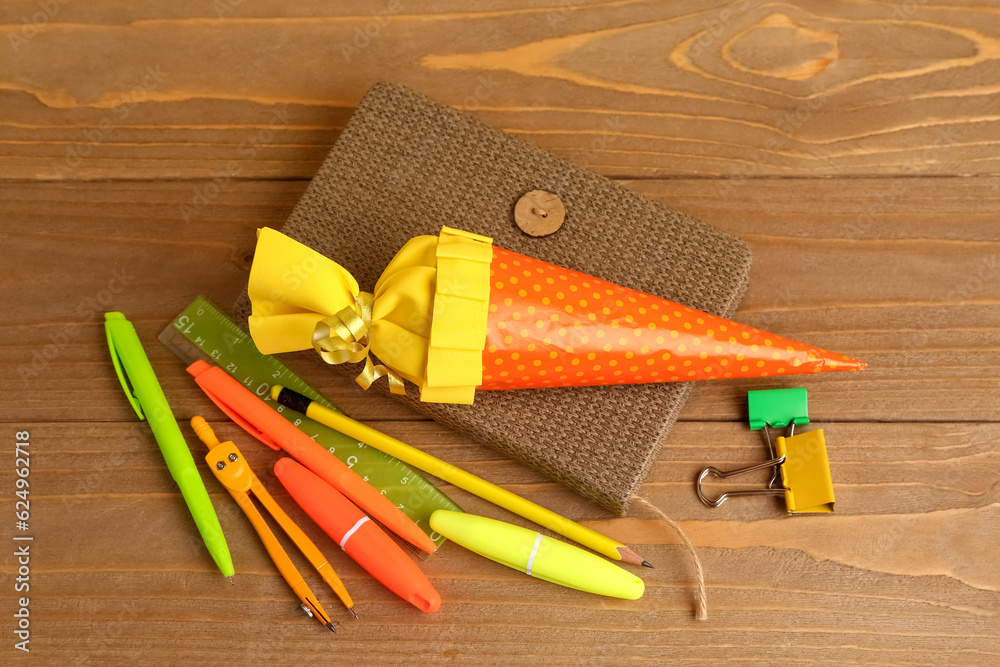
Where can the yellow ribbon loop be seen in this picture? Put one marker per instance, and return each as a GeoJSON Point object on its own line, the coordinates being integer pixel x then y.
{"type": "Point", "coordinates": [373, 372]}
{"type": "Point", "coordinates": [344, 338]}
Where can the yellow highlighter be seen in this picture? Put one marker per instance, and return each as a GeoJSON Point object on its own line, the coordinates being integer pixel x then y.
{"type": "Point", "coordinates": [537, 555]}
{"type": "Point", "coordinates": [453, 475]}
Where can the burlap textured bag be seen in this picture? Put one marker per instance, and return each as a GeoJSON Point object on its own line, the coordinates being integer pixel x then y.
{"type": "Point", "coordinates": [406, 165]}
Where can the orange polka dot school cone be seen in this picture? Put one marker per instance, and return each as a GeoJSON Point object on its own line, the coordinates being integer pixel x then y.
{"type": "Point", "coordinates": [453, 314]}
{"type": "Point", "coordinates": [552, 327]}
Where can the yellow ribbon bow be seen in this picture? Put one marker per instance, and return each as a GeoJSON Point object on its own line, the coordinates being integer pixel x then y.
{"type": "Point", "coordinates": [425, 320]}
{"type": "Point", "coordinates": [346, 338]}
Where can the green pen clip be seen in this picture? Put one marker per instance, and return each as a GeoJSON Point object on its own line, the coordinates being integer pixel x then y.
{"type": "Point", "coordinates": [122, 376]}
{"type": "Point", "coordinates": [778, 408]}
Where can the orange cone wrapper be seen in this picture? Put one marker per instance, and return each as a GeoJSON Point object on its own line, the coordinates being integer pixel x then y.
{"type": "Point", "coordinates": [454, 314]}
{"type": "Point", "coordinates": [552, 327]}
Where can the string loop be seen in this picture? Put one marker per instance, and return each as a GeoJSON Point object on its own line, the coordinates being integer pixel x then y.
{"type": "Point", "coordinates": [701, 602]}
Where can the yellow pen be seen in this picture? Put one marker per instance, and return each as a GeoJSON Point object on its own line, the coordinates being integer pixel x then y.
{"type": "Point", "coordinates": [230, 467]}
{"type": "Point", "coordinates": [537, 555]}
{"type": "Point", "coordinates": [453, 475]}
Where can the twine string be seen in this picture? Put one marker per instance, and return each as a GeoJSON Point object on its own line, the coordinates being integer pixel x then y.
{"type": "Point", "coordinates": [701, 603]}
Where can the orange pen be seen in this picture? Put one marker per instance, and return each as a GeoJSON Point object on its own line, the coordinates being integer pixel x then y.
{"type": "Point", "coordinates": [357, 535]}
{"type": "Point", "coordinates": [261, 421]}
{"type": "Point", "coordinates": [230, 468]}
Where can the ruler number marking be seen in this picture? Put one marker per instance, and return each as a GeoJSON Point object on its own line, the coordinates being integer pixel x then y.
{"type": "Point", "coordinates": [182, 322]}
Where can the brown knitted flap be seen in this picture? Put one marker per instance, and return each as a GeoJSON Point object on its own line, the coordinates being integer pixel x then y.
{"type": "Point", "coordinates": [406, 165]}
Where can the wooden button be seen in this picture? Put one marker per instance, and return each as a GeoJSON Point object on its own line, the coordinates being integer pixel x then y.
{"type": "Point", "coordinates": [539, 213]}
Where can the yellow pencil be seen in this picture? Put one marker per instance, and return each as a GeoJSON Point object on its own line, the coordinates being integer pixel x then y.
{"type": "Point", "coordinates": [463, 480]}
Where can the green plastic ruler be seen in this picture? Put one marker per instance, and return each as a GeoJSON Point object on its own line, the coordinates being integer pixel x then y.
{"type": "Point", "coordinates": [203, 331]}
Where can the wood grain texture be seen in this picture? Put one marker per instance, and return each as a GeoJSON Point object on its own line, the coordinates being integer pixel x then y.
{"type": "Point", "coordinates": [97, 90]}
{"type": "Point", "coordinates": [142, 143]}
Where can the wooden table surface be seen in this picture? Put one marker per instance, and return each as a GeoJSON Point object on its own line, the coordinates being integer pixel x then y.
{"type": "Point", "coordinates": [853, 145]}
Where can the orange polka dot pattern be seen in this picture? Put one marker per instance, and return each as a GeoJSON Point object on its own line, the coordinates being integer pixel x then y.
{"type": "Point", "coordinates": [552, 327]}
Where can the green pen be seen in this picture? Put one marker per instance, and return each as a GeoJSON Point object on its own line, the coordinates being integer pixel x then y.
{"type": "Point", "coordinates": [146, 396]}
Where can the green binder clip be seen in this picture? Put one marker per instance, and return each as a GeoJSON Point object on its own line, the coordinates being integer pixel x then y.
{"type": "Point", "coordinates": [777, 408]}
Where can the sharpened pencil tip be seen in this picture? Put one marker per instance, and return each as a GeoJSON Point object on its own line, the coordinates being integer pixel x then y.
{"type": "Point", "coordinates": [646, 563]}
{"type": "Point", "coordinates": [332, 629]}
{"type": "Point", "coordinates": [630, 556]}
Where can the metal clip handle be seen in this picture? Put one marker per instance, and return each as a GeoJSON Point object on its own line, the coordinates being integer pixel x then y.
{"type": "Point", "coordinates": [722, 474]}
{"type": "Point", "coordinates": [772, 452]}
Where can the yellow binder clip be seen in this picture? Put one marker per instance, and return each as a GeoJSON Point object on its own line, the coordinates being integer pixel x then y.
{"type": "Point", "coordinates": [802, 462]}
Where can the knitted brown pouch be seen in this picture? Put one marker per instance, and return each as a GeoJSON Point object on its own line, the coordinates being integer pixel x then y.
{"type": "Point", "coordinates": [406, 165]}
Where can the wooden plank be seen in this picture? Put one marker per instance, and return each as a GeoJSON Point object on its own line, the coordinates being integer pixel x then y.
{"type": "Point", "coordinates": [629, 89]}
{"type": "Point", "coordinates": [903, 572]}
{"type": "Point", "coordinates": [853, 146]}
{"type": "Point", "coordinates": [914, 293]}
